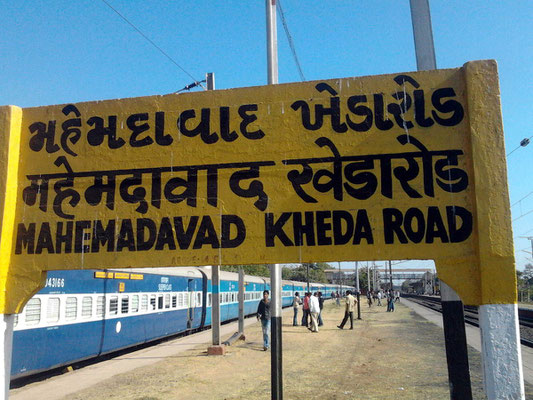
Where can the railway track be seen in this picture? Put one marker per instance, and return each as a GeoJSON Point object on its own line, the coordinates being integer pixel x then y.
{"type": "Point", "coordinates": [525, 316]}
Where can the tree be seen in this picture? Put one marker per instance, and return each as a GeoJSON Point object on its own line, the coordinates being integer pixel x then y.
{"type": "Point", "coordinates": [316, 272]}
{"type": "Point", "coordinates": [520, 281]}
{"type": "Point", "coordinates": [255, 270]}
{"type": "Point", "coordinates": [527, 275]}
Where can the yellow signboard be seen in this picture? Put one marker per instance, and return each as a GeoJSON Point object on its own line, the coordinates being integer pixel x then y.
{"type": "Point", "coordinates": [404, 166]}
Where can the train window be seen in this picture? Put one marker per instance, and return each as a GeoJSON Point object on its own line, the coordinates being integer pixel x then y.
{"type": "Point", "coordinates": [160, 302]}
{"type": "Point", "coordinates": [144, 302]}
{"type": "Point", "coordinates": [180, 299]}
{"type": "Point", "coordinates": [199, 299]}
{"type": "Point", "coordinates": [52, 309]}
{"type": "Point", "coordinates": [209, 299]}
{"type": "Point", "coordinates": [113, 305]}
{"type": "Point", "coordinates": [174, 300]}
{"type": "Point", "coordinates": [186, 299]}
{"type": "Point", "coordinates": [87, 307]}
{"type": "Point", "coordinates": [33, 312]}
{"type": "Point", "coordinates": [71, 308]}
{"type": "Point", "coordinates": [134, 303]}
{"type": "Point", "coordinates": [100, 306]}
{"type": "Point", "coordinates": [125, 305]}
{"type": "Point", "coordinates": [152, 302]}
{"type": "Point", "coordinates": [167, 300]}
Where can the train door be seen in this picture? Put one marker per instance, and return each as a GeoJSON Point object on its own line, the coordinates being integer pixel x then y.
{"type": "Point", "coordinates": [191, 288]}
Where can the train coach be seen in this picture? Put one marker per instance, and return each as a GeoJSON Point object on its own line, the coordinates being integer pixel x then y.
{"type": "Point", "coordinates": [83, 314]}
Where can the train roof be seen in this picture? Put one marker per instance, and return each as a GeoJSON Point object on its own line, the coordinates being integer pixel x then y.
{"type": "Point", "coordinates": [197, 272]}
{"type": "Point", "coordinates": [170, 271]}
{"type": "Point", "coordinates": [232, 276]}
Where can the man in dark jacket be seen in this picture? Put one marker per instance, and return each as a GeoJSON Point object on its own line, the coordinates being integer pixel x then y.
{"type": "Point", "coordinates": [321, 304]}
{"type": "Point", "coordinates": [263, 313]}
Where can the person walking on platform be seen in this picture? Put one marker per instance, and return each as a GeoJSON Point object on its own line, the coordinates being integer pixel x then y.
{"type": "Point", "coordinates": [369, 298]}
{"type": "Point", "coordinates": [296, 301]}
{"type": "Point", "coordinates": [321, 304]}
{"type": "Point", "coordinates": [338, 298]}
{"type": "Point", "coordinates": [263, 313]}
{"type": "Point", "coordinates": [305, 316]}
{"type": "Point", "coordinates": [314, 309]}
{"type": "Point", "coordinates": [397, 297]}
{"type": "Point", "coordinates": [348, 312]}
{"type": "Point", "coordinates": [379, 297]}
{"type": "Point", "coordinates": [390, 301]}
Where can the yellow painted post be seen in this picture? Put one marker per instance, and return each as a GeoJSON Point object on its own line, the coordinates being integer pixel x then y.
{"type": "Point", "coordinates": [498, 311]}
{"type": "Point", "coordinates": [10, 119]}
{"type": "Point", "coordinates": [17, 281]}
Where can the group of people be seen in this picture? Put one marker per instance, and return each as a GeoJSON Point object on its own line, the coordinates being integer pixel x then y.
{"type": "Point", "coordinates": [311, 318]}
{"type": "Point", "coordinates": [311, 309]}
{"type": "Point", "coordinates": [312, 305]}
{"type": "Point", "coordinates": [390, 295]}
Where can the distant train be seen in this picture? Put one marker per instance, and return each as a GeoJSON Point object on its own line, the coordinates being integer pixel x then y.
{"type": "Point", "coordinates": [83, 314]}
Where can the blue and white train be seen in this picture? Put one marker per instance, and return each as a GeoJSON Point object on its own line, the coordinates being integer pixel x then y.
{"type": "Point", "coordinates": [83, 314]}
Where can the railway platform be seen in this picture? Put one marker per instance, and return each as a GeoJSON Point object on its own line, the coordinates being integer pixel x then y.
{"type": "Point", "coordinates": [387, 355]}
{"type": "Point", "coordinates": [473, 337]}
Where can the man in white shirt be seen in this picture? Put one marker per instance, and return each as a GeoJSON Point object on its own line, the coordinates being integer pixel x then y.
{"type": "Point", "coordinates": [314, 308]}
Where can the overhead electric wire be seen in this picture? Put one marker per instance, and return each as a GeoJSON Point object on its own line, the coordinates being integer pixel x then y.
{"type": "Point", "coordinates": [523, 215]}
{"type": "Point", "coordinates": [289, 39]}
{"type": "Point", "coordinates": [516, 202]}
{"type": "Point", "coordinates": [523, 143]}
{"type": "Point", "coordinates": [153, 44]}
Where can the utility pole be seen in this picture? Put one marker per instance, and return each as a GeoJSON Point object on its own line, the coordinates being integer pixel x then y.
{"type": "Point", "coordinates": [452, 306]}
{"type": "Point", "coordinates": [358, 291]}
{"type": "Point", "coordinates": [307, 267]}
{"type": "Point", "coordinates": [368, 275]}
{"type": "Point", "coordinates": [390, 273]}
{"type": "Point", "coordinates": [276, 380]}
{"type": "Point", "coordinates": [340, 278]}
{"type": "Point", "coordinates": [210, 80]}
{"type": "Point", "coordinates": [356, 277]}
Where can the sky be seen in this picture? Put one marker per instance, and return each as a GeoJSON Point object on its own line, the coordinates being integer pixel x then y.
{"type": "Point", "coordinates": [59, 51]}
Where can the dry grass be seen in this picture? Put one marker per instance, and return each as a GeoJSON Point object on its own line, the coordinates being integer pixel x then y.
{"type": "Point", "coordinates": [388, 355]}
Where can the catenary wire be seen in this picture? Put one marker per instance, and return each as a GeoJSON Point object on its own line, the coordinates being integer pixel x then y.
{"type": "Point", "coordinates": [520, 145]}
{"type": "Point", "coordinates": [152, 43]}
{"type": "Point", "coordinates": [289, 38]}
{"type": "Point", "coordinates": [523, 215]}
{"type": "Point", "coordinates": [516, 202]}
